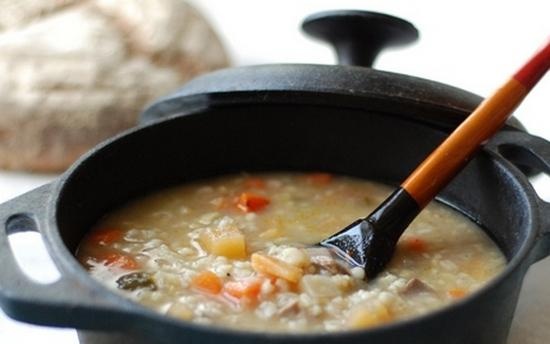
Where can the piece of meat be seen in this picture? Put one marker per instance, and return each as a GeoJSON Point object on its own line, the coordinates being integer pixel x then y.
{"type": "Point", "coordinates": [415, 286]}
{"type": "Point", "coordinates": [322, 259]}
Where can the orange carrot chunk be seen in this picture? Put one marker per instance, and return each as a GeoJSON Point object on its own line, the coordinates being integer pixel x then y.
{"type": "Point", "coordinates": [249, 202]}
{"type": "Point", "coordinates": [275, 267]}
{"type": "Point", "coordinates": [417, 245]}
{"type": "Point", "coordinates": [245, 288]}
{"type": "Point", "coordinates": [457, 293]}
{"type": "Point", "coordinates": [319, 178]}
{"type": "Point", "coordinates": [207, 281]}
{"type": "Point", "coordinates": [105, 236]}
{"type": "Point", "coordinates": [121, 261]}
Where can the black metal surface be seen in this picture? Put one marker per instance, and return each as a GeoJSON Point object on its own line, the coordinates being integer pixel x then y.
{"type": "Point", "coordinates": [67, 301]}
{"type": "Point", "coordinates": [273, 137]}
{"type": "Point", "coordinates": [419, 100]}
{"type": "Point", "coordinates": [359, 36]}
{"type": "Point", "coordinates": [531, 151]}
{"type": "Point", "coordinates": [369, 243]}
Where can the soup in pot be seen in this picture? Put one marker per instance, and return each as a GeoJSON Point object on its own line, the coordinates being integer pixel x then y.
{"type": "Point", "coordinates": [238, 251]}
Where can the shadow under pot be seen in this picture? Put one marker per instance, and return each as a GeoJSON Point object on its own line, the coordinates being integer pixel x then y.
{"type": "Point", "coordinates": [347, 120]}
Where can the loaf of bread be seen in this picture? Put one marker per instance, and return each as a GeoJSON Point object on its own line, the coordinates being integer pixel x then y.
{"type": "Point", "coordinates": [75, 72]}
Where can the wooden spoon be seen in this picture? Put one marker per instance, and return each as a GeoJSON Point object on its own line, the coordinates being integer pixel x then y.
{"type": "Point", "coordinates": [369, 243]}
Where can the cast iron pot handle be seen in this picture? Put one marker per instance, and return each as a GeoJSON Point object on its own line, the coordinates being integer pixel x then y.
{"type": "Point", "coordinates": [525, 150]}
{"type": "Point", "coordinates": [65, 302]}
{"type": "Point", "coordinates": [359, 36]}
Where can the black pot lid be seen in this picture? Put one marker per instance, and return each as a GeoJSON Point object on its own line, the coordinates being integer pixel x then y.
{"type": "Point", "coordinates": [357, 37]}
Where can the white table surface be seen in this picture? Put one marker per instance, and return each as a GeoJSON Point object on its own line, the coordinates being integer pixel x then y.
{"type": "Point", "coordinates": [470, 44]}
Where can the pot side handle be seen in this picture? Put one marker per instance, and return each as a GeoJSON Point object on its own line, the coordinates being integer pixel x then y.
{"type": "Point", "coordinates": [528, 152]}
{"type": "Point", "coordinates": [63, 303]}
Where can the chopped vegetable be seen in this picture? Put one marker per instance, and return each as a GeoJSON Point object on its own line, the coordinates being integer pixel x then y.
{"type": "Point", "coordinates": [416, 244]}
{"type": "Point", "coordinates": [368, 314]}
{"type": "Point", "coordinates": [120, 260]}
{"type": "Point", "coordinates": [457, 293]}
{"type": "Point", "coordinates": [180, 311]}
{"type": "Point", "coordinates": [245, 288]}
{"type": "Point", "coordinates": [106, 236]}
{"type": "Point", "coordinates": [208, 282]}
{"type": "Point", "coordinates": [249, 202]}
{"type": "Point", "coordinates": [275, 267]}
{"type": "Point", "coordinates": [319, 178]}
{"type": "Point", "coordinates": [227, 241]}
{"type": "Point", "coordinates": [320, 286]}
{"type": "Point", "coordinates": [136, 280]}
{"type": "Point", "coordinates": [254, 183]}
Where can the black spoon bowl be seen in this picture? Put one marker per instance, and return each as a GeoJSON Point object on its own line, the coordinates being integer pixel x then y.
{"type": "Point", "coordinates": [369, 243]}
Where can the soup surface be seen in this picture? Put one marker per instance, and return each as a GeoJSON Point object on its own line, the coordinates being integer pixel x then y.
{"type": "Point", "coordinates": [235, 252]}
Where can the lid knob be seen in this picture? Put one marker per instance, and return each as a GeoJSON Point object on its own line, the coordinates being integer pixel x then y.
{"type": "Point", "coordinates": [359, 36]}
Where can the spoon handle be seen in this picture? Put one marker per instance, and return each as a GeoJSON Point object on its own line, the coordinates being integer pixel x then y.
{"type": "Point", "coordinates": [446, 160]}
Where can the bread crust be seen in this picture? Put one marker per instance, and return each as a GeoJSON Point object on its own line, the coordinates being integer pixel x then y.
{"type": "Point", "coordinates": [77, 72]}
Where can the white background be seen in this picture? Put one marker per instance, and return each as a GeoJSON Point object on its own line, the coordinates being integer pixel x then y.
{"type": "Point", "coordinates": [470, 44]}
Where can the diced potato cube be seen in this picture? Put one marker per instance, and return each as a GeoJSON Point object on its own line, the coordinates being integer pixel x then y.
{"type": "Point", "coordinates": [368, 314]}
{"type": "Point", "coordinates": [320, 286]}
{"type": "Point", "coordinates": [228, 241]}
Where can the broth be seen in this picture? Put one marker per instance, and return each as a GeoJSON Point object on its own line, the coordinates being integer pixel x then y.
{"type": "Point", "coordinates": [235, 251]}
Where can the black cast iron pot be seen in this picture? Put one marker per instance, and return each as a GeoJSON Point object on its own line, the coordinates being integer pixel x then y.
{"type": "Point", "coordinates": [349, 120]}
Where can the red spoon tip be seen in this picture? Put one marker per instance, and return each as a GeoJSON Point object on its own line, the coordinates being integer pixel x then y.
{"type": "Point", "coordinates": [537, 66]}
